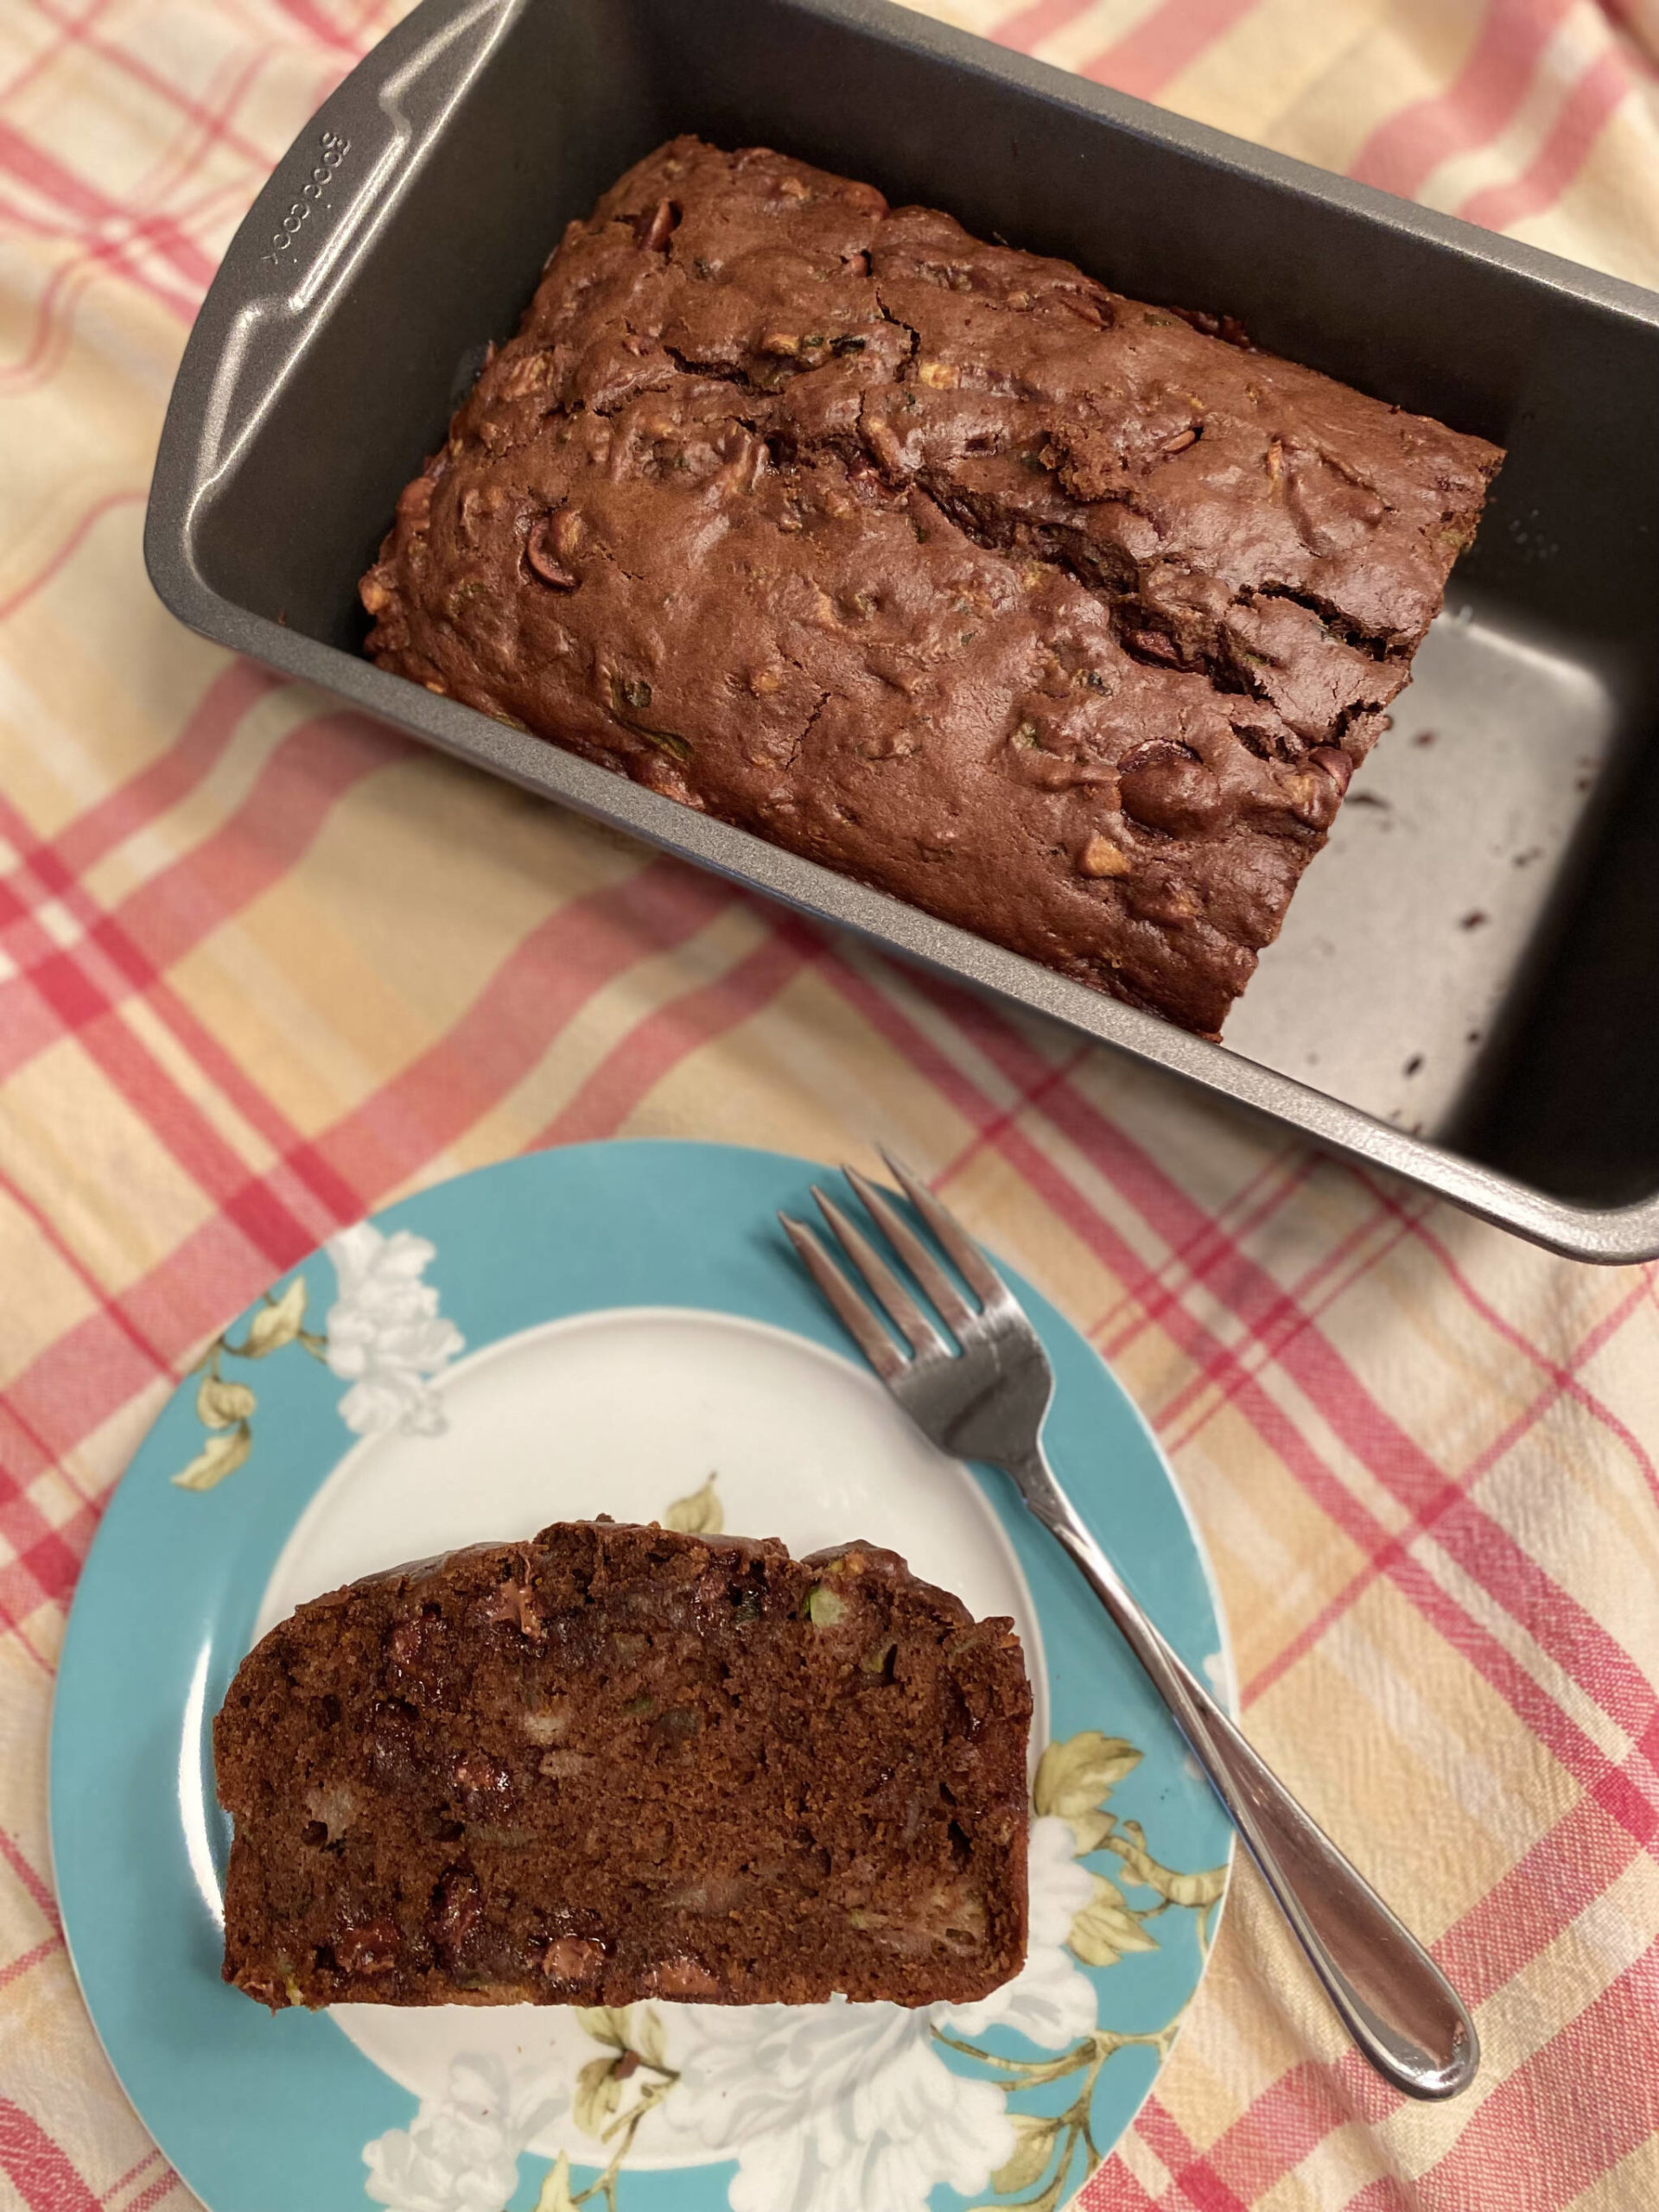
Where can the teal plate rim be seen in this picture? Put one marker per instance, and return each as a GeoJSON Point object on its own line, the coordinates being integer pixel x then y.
{"type": "Point", "coordinates": [263, 2114]}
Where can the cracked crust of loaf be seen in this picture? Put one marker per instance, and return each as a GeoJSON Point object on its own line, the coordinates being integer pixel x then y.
{"type": "Point", "coordinates": [618, 1762]}
{"type": "Point", "coordinates": [1061, 616]}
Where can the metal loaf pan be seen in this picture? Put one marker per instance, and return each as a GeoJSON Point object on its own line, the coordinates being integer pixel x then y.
{"type": "Point", "coordinates": [1467, 990]}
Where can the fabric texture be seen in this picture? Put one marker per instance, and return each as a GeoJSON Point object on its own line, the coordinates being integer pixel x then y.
{"type": "Point", "coordinates": [264, 965]}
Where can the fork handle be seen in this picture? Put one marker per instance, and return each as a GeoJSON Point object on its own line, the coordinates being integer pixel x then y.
{"type": "Point", "coordinates": [1393, 2000]}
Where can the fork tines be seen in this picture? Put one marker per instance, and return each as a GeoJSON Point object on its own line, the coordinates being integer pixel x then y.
{"type": "Point", "coordinates": [924, 1341]}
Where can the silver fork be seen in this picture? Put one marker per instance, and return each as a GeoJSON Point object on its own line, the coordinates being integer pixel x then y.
{"type": "Point", "coordinates": [985, 1397]}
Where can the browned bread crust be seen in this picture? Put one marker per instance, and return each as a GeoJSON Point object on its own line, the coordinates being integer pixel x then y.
{"type": "Point", "coordinates": [1055, 614]}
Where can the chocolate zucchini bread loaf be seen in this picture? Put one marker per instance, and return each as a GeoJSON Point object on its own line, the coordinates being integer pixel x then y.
{"type": "Point", "coordinates": [619, 1762]}
{"type": "Point", "coordinates": [1060, 616]}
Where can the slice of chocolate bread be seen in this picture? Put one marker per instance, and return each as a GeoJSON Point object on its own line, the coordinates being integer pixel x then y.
{"type": "Point", "coordinates": [618, 1762]}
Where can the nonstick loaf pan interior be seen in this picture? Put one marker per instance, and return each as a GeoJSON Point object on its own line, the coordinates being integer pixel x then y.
{"type": "Point", "coordinates": [1467, 990]}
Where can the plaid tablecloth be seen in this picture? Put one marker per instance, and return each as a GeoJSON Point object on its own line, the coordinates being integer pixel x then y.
{"type": "Point", "coordinates": [264, 965]}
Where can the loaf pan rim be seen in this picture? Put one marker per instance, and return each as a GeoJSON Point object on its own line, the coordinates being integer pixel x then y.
{"type": "Point", "coordinates": [239, 295]}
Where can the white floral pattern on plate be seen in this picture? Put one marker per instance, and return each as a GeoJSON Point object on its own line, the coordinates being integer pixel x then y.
{"type": "Point", "coordinates": [461, 2152]}
{"type": "Point", "coordinates": [386, 1335]}
{"type": "Point", "coordinates": [383, 1335]}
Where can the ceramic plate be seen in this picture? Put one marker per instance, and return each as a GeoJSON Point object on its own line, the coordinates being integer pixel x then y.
{"type": "Point", "coordinates": [615, 1328]}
